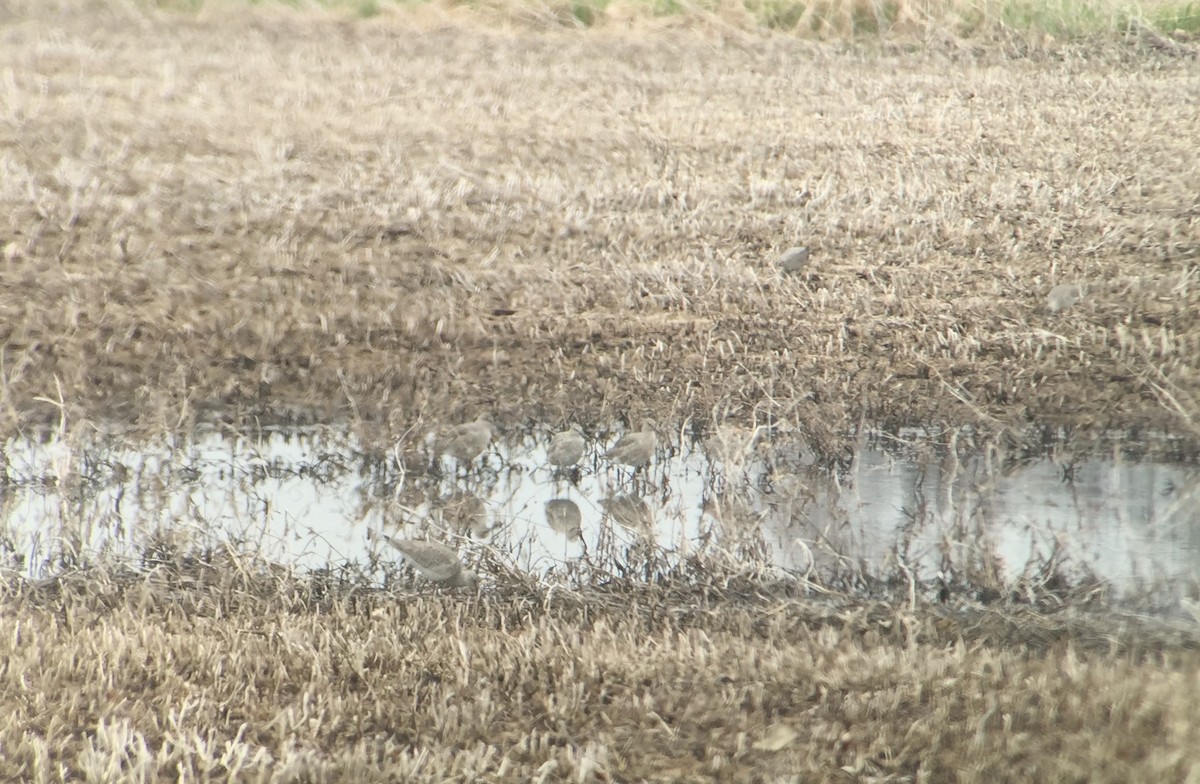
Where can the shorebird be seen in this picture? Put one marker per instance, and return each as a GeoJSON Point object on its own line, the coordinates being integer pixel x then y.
{"type": "Point", "coordinates": [634, 449]}
{"type": "Point", "coordinates": [465, 442]}
{"type": "Point", "coordinates": [794, 260]}
{"type": "Point", "coordinates": [566, 448]}
{"type": "Point", "coordinates": [563, 515]}
{"type": "Point", "coordinates": [630, 510]}
{"type": "Point", "coordinates": [1063, 296]}
{"type": "Point", "coordinates": [435, 562]}
{"type": "Point", "coordinates": [464, 512]}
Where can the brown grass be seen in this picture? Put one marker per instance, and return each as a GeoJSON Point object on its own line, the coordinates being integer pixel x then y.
{"type": "Point", "coordinates": [288, 214]}
{"type": "Point", "coordinates": [278, 215]}
{"type": "Point", "coordinates": [219, 676]}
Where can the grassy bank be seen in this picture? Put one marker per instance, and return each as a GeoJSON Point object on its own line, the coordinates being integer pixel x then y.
{"type": "Point", "coordinates": [219, 674]}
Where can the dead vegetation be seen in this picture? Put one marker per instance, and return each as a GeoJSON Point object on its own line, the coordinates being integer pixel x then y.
{"type": "Point", "coordinates": [409, 221]}
{"type": "Point", "coordinates": [226, 675]}
{"type": "Point", "coordinates": [285, 215]}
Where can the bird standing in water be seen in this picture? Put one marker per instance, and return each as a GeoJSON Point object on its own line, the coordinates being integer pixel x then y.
{"type": "Point", "coordinates": [435, 562]}
{"type": "Point", "coordinates": [466, 442]}
{"type": "Point", "coordinates": [634, 449]}
{"type": "Point", "coordinates": [566, 448]}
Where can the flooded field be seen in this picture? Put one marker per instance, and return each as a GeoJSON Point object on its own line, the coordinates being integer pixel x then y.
{"type": "Point", "coordinates": [904, 505]}
{"type": "Point", "coordinates": [256, 262]}
{"type": "Point", "coordinates": [735, 610]}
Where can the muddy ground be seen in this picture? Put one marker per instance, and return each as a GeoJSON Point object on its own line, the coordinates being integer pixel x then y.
{"type": "Point", "coordinates": [306, 216]}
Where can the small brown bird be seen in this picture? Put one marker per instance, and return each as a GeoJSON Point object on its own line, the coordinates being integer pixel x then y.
{"type": "Point", "coordinates": [435, 562]}
{"type": "Point", "coordinates": [630, 510]}
{"type": "Point", "coordinates": [794, 260]}
{"type": "Point", "coordinates": [465, 442]}
{"type": "Point", "coordinates": [634, 449]}
{"type": "Point", "coordinates": [566, 448]}
{"type": "Point", "coordinates": [564, 516]}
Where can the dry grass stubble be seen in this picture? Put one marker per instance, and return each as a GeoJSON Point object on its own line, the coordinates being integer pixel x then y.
{"type": "Point", "coordinates": [118, 680]}
{"type": "Point", "coordinates": [276, 213]}
{"type": "Point", "coordinates": [267, 214]}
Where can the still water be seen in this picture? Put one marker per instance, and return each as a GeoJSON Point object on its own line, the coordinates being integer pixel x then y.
{"type": "Point", "coordinates": [313, 498]}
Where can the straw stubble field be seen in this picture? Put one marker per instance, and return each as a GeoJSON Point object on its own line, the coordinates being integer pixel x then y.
{"type": "Point", "coordinates": [239, 679]}
{"type": "Point", "coordinates": [279, 215]}
{"type": "Point", "coordinates": [283, 213]}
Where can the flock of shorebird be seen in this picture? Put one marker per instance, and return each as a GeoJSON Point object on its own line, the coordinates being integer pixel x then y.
{"type": "Point", "coordinates": [439, 563]}
{"type": "Point", "coordinates": [464, 443]}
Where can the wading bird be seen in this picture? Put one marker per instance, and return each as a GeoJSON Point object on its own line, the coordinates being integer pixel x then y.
{"type": "Point", "coordinates": [630, 510]}
{"type": "Point", "coordinates": [564, 516]}
{"type": "Point", "coordinates": [465, 442]}
{"type": "Point", "coordinates": [566, 448]}
{"type": "Point", "coordinates": [435, 562]}
{"type": "Point", "coordinates": [634, 449]}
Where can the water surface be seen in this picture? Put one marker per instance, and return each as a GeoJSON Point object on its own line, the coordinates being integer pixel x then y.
{"type": "Point", "coordinates": [312, 498]}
